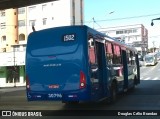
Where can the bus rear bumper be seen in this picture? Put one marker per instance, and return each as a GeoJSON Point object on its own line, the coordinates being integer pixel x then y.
{"type": "Point", "coordinates": [64, 96]}
{"type": "Point", "coordinates": [79, 95]}
{"type": "Point", "coordinates": [44, 96]}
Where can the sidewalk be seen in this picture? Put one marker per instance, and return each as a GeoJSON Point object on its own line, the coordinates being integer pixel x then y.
{"type": "Point", "coordinates": [11, 89]}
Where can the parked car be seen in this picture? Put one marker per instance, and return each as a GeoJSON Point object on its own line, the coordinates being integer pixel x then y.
{"type": "Point", "coordinates": [141, 63]}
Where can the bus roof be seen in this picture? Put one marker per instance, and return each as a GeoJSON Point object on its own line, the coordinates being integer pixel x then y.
{"type": "Point", "coordinates": [96, 34]}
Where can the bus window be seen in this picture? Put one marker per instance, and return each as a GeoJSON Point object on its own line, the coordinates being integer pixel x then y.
{"type": "Point", "coordinates": [130, 57]}
{"type": "Point", "coordinates": [116, 55]}
{"type": "Point", "coordinates": [92, 55]}
{"type": "Point", "coordinates": [92, 60]}
{"type": "Point", "coordinates": [109, 54]}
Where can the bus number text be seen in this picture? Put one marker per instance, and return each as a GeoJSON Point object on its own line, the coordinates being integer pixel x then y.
{"type": "Point", "coordinates": [69, 38]}
{"type": "Point", "coordinates": [55, 95]}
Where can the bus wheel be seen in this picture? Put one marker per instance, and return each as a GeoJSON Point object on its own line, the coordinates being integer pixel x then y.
{"type": "Point", "coordinates": [113, 92]}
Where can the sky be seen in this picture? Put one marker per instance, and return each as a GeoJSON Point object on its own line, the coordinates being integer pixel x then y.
{"type": "Point", "coordinates": [112, 13]}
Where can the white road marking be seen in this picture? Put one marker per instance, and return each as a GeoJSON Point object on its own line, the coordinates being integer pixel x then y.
{"type": "Point", "coordinates": [141, 78]}
{"type": "Point", "coordinates": [147, 78]}
{"type": "Point", "coordinates": [155, 78]}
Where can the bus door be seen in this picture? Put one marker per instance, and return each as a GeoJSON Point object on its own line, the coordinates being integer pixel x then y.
{"type": "Point", "coordinates": [125, 69]}
{"type": "Point", "coordinates": [132, 68]}
{"type": "Point", "coordinates": [138, 69]}
{"type": "Point", "coordinates": [97, 69]}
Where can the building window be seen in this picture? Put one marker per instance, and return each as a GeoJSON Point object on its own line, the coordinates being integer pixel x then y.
{"type": "Point", "coordinates": [21, 23]}
{"type": "Point", "coordinates": [21, 37]}
{"type": "Point", "coordinates": [3, 38]}
{"type": "Point", "coordinates": [44, 7]}
{"type": "Point", "coordinates": [32, 22]}
{"type": "Point", "coordinates": [21, 10]}
{"type": "Point", "coordinates": [134, 30]}
{"type": "Point", "coordinates": [2, 13]}
{"type": "Point", "coordinates": [32, 9]}
{"type": "Point", "coordinates": [119, 32]}
{"type": "Point", "coordinates": [3, 49]}
{"type": "Point", "coordinates": [44, 21]}
{"type": "Point", "coordinates": [3, 25]}
{"type": "Point", "coordinates": [16, 48]}
{"type": "Point", "coordinates": [126, 31]}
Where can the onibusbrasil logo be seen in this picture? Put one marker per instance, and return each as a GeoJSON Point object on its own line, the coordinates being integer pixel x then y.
{"type": "Point", "coordinates": [21, 113]}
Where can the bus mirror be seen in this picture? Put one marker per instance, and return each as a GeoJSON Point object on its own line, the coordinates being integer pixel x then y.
{"type": "Point", "coordinates": [91, 42]}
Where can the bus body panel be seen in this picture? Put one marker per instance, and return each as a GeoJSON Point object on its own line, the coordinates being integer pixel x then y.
{"type": "Point", "coordinates": [53, 66]}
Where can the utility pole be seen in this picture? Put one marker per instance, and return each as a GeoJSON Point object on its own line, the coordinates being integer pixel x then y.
{"type": "Point", "coordinates": [153, 46]}
{"type": "Point", "coordinates": [95, 23]}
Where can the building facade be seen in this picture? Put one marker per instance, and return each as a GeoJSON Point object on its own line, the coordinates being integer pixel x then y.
{"type": "Point", "coordinates": [17, 24]}
{"type": "Point", "coordinates": [133, 35]}
{"type": "Point", "coordinates": [8, 29]}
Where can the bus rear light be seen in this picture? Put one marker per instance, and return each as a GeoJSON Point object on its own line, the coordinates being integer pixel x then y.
{"type": "Point", "coordinates": [82, 80]}
{"type": "Point", "coordinates": [27, 83]}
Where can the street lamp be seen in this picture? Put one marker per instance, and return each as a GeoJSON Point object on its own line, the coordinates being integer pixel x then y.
{"type": "Point", "coordinates": [153, 46]}
{"type": "Point", "coordinates": [154, 19]}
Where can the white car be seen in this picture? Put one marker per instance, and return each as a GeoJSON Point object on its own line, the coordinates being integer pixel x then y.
{"type": "Point", "coordinates": [158, 56]}
{"type": "Point", "coordinates": [141, 63]}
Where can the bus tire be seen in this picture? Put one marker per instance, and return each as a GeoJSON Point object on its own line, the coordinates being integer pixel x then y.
{"type": "Point", "coordinates": [113, 92]}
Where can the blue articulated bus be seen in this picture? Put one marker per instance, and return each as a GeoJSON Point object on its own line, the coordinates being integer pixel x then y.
{"type": "Point", "coordinates": [78, 64]}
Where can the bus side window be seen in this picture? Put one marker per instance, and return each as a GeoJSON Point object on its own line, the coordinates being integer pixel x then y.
{"type": "Point", "coordinates": [130, 57]}
{"type": "Point", "coordinates": [92, 60]}
{"type": "Point", "coordinates": [91, 48]}
{"type": "Point", "coordinates": [117, 55]}
{"type": "Point", "coordinates": [109, 54]}
{"type": "Point", "coordinates": [92, 57]}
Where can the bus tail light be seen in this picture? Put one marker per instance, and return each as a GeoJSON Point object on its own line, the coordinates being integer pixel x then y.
{"type": "Point", "coordinates": [82, 80]}
{"type": "Point", "coordinates": [27, 83]}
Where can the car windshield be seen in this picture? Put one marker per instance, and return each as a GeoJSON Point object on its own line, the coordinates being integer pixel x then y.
{"type": "Point", "coordinates": [158, 54]}
{"type": "Point", "coordinates": [148, 58]}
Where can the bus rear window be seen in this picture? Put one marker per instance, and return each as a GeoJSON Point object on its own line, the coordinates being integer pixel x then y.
{"type": "Point", "coordinates": [55, 50]}
{"type": "Point", "coordinates": [41, 46]}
